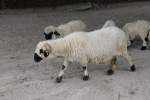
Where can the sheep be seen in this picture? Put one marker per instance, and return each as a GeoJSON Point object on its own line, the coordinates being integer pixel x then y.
{"type": "Point", "coordinates": [139, 28]}
{"type": "Point", "coordinates": [85, 48]}
{"type": "Point", "coordinates": [52, 32]}
{"type": "Point", "coordinates": [109, 23]}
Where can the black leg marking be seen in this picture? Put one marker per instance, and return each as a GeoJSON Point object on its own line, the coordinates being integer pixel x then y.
{"type": "Point", "coordinates": [131, 41]}
{"type": "Point", "coordinates": [143, 48]}
{"type": "Point", "coordinates": [133, 68]}
{"type": "Point", "coordinates": [146, 39]}
{"type": "Point", "coordinates": [84, 68]}
{"type": "Point", "coordinates": [110, 72]}
{"type": "Point", "coordinates": [86, 77]}
{"type": "Point", "coordinates": [113, 61]}
{"type": "Point", "coordinates": [63, 67]}
{"type": "Point", "coordinates": [59, 79]}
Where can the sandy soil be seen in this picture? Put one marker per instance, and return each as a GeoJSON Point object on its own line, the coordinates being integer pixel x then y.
{"type": "Point", "coordinates": [22, 79]}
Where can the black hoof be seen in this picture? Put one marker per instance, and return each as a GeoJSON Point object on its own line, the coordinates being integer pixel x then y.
{"type": "Point", "coordinates": [86, 77]}
{"type": "Point", "coordinates": [133, 68]}
{"type": "Point", "coordinates": [59, 79]}
{"type": "Point", "coordinates": [143, 48]}
{"type": "Point", "coordinates": [110, 72]}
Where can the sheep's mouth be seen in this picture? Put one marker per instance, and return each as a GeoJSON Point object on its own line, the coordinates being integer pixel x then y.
{"type": "Point", "coordinates": [37, 58]}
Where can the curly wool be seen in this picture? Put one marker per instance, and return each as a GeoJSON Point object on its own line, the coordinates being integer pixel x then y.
{"type": "Point", "coordinates": [109, 23]}
{"type": "Point", "coordinates": [98, 46]}
{"type": "Point", "coordinates": [65, 29]}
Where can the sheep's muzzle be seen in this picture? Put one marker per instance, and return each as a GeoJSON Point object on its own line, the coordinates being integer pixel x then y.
{"type": "Point", "coordinates": [48, 36]}
{"type": "Point", "coordinates": [37, 58]}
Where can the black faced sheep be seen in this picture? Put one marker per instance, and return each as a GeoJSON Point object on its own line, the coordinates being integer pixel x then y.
{"type": "Point", "coordinates": [99, 46]}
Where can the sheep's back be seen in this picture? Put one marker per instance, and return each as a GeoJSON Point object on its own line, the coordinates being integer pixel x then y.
{"type": "Point", "coordinates": [106, 43]}
{"type": "Point", "coordinates": [137, 27]}
{"type": "Point", "coordinates": [100, 44]}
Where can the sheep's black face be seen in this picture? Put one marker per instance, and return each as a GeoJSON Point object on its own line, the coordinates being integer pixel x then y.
{"type": "Point", "coordinates": [44, 52]}
{"type": "Point", "coordinates": [48, 36]}
{"type": "Point", "coordinates": [56, 33]}
{"type": "Point", "coordinates": [37, 58]}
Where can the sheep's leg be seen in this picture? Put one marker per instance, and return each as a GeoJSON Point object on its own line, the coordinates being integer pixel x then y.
{"type": "Point", "coordinates": [84, 63]}
{"type": "Point", "coordinates": [61, 73]}
{"type": "Point", "coordinates": [85, 75]}
{"type": "Point", "coordinates": [128, 58]}
{"type": "Point", "coordinates": [144, 45]}
{"type": "Point", "coordinates": [131, 41]}
{"type": "Point", "coordinates": [113, 66]}
{"type": "Point", "coordinates": [147, 37]}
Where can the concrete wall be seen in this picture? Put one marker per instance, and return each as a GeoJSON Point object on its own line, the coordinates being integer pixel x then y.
{"type": "Point", "coordinates": [49, 3]}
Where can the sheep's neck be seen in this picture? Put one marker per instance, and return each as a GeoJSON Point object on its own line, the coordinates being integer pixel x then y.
{"type": "Point", "coordinates": [59, 47]}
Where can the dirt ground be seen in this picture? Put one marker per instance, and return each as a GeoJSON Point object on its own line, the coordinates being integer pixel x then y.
{"type": "Point", "coordinates": [22, 79]}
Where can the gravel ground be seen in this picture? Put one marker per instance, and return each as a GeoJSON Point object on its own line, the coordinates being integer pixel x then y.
{"type": "Point", "coordinates": [22, 79]}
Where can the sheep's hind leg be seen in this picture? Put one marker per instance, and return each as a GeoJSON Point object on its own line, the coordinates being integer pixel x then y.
{"type": "Point", "coordinates": [85, 75]}
{"type": "Point", "coordinates": [144, 45]}
{"type": "Point", "coordinates": [128, 58]}
{"type": "Point", "coordinates": [113, 66]}
{"type": "Point", "coordinates": [61, 73]}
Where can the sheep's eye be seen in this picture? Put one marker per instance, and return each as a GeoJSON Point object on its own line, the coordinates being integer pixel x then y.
{"type": "Point", "coordinates": [56, 33]}
{"type": "Point", "coordinates": [46, 53]}
{"type": "Point", "coordinates": [41, 51]}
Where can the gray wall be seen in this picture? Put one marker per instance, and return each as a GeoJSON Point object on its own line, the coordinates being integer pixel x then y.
{"type": "Point", "coordinates": [49, 3]}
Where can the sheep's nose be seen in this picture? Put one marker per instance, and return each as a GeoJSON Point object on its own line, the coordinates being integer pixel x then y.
{"type": "Point", "coordinates": [47, 36]}
{"type": "Point", "coordinates": [37, 58]}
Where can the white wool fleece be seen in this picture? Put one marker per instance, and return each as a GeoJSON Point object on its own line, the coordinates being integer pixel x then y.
{"type": "Point", "coordinates": [137, 28]}
{"type": "Point", "coordinates": [109, 23]}
{"type": "Point", "coordinates": [65, 29]}
{"type": "Point", "coordinates": [98, 46]}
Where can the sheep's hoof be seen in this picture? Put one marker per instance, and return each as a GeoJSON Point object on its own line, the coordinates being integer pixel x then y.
{"type": "Point", "coordinates": [110, 72]}
{"type": "Point", "coordinates": [59, 79]}
{"type": "Point", "coordinates": [143, 48]}
{"type": "Point", "coordinates": [133, 68]}
{"type": "Point", "coordinates": [86, 77]}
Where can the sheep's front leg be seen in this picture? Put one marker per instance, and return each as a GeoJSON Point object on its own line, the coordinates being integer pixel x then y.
{"type": "Point", "coordinates": [84, 63]}
{"type": "Point", "coordinates": [128, 58]}
{"type": "Point", "coordinates": [61, 73]}
{"type": "Point", "coordinates": [113, 66]}
{"type": "Point", "coordinates": [85, 73]}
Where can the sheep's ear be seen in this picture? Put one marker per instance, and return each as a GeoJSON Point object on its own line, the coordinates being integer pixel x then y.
{"type": "Point", "coordinates": [56, 33]}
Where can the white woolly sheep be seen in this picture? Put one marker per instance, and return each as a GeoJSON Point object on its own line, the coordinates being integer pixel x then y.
{"type": "Point", "coordinates": [52, 32]}
{"type": "Point", "coordinates": [139, 28]}
{"type": "Point", "coordinates": [99, 46]}
{"type": "Point", "coordinates": [109, 23]}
